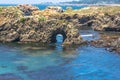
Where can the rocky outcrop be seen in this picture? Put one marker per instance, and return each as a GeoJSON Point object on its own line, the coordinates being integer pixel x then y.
{"type": "Point", "coordinates": [99, 18]}
{"type": "Point", "coordinates": [27, 9]}
{"type": "Point", "coordinates": [26, 23]}
{"type": "Point", "coordinates": [107, 22]}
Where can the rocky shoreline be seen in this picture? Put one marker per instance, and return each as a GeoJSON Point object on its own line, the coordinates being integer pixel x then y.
{"type": "Point", "coordinates": [26, 23]}
{"type": "Point", "coordinates": [109, 40]}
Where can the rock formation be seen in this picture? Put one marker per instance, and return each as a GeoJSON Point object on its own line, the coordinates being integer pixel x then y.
{"type": "Point", "coordinates": [26, 23]}
{"type": "Point", "coordinates": [36, 28]}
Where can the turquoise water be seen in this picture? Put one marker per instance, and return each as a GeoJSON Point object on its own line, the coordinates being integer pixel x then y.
{"type": "Point", "coordinates": [39, 62]}
{"type": "Point", "coordinates": [42, 7]}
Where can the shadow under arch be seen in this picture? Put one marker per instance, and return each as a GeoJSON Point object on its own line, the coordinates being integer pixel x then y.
{"type": "Point", "coordinates": [55, 33]}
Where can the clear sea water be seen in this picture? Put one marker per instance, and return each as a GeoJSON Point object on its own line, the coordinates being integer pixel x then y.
{"type": "Point", "coordinates": [54, 62]}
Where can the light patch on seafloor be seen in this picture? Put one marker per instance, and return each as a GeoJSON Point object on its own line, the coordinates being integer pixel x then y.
{"type": "Point", "coordinates": [89, 35]}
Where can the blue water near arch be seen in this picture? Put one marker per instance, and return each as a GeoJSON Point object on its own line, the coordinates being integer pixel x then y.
{"type": "Point", "coordinates": [59, 38]}
{"type": "Point", "coordinates": [59, 41]}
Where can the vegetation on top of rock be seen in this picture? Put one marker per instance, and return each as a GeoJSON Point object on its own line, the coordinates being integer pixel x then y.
{"type": "Point", "coordinates": [0, 9]}
{"type": "Point", "coordinates": [22, 20]}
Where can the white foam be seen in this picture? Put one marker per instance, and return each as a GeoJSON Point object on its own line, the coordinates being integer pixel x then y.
{"type": "Point", "coordinates": [87, 35]}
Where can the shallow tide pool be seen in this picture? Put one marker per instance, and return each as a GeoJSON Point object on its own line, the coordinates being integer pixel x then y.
{"type": "Point", "coordinates": [36, 62]}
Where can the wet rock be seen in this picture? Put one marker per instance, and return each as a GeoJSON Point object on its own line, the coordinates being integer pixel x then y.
{"type": "Point", "coordinates": [9, 36]}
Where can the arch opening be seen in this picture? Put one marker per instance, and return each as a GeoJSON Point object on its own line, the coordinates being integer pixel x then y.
{"type": "Point", "coordinates": [58, 36]}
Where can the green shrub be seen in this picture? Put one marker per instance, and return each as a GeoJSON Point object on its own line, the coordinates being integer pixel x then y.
{"type": "Point", "coordinates": [0, 9]}
{"type": "Point", "coordinates": [22, 20]}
